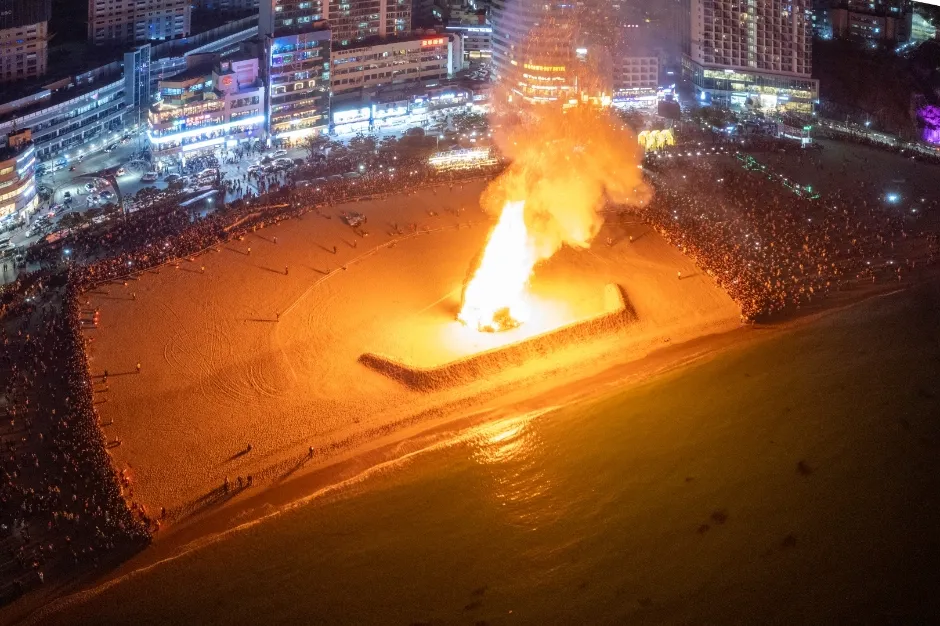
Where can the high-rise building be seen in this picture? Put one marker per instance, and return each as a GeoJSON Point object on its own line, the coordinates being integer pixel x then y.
{"type": "Point", "coordinates": [533, 49]}
{"type": "Point", "coordinates": [129, 21]}
{"type": "Point", "coordinates": [756, 53]}
{"type": "Point", "coordinates": [355, 20]}
{"type": "Point", "coordinates": [297, 44]}
{"type": "Point", "coordinates": [350, 20]}
{"type": "Point", "coordinates": [23, 38]}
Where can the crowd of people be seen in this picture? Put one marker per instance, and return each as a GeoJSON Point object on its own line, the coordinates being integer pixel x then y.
{"type": "Point", "coordinates": [769, 247]}
{"type": "Point", "coordinates": [62, 507]}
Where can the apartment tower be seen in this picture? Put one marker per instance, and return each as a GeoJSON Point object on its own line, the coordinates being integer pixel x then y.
{"type": "Point", "coordinates": [117, 22]}
{"type": "Point", "coordinates": [297, 42]}
{"type": "Point", "coordinates": [533, 49]}
{"type": "Point", "coordinates": [756, 53]}
{"type": "Point", "coordinates": [23, 38]}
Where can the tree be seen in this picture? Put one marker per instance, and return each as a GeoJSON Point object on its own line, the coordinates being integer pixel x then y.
{"type": "Point", "coordinates": [315, 145]}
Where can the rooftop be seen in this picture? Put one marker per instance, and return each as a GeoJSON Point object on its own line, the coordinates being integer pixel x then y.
{"type": "Point", "coordinates": [57, 97]}
{"type": "Point", "coordinates": [8, 152]}
{"type": "Point", "coordinates": [64, 61]}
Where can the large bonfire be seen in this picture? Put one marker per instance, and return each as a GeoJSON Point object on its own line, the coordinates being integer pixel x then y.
{"type": "Point", "coordinates": [564, 168]}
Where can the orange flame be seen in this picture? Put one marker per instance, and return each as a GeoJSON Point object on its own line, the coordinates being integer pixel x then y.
{"type": "Point", "coordinates": [495, 298]}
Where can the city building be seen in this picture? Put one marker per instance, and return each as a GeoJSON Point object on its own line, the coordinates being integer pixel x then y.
{"type": "Point", "coordinates": [533, 51]}
{"type": "Point", "coordinates": [297, 67]}
{"type": "Point", "coordinates": [24, 38]}
{"type": "Point", "coordinates": [822, 24]}
{"type": "Point", "coordinates": [355, 20]}
{"type": "Point", "coordinates": [129, 21]}
{"type": "Point", "coordinates": [756, 54]}
{"type": "Point", "coordinates": [873, 21]}
{"type": "Point", "coordinates": [380, 63]}
{"type": "Point", "coordinates": [18, 197]}
{"type": "Point", "coordinates": [73, 115]}
{"type": "Point", "coordinates": [349, 20]}
{"type": "Point", "coordinates": [428, 13]}
{"type": "Point", "coordinates": [213, 106]}
{"type": "Point", "coordinates": [403, 106]}
{"type": "Point", "coordinates": [476, 41]}
{"type": "Point", "coordinates": [636, 80]}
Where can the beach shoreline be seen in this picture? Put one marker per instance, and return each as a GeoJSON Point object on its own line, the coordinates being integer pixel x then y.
{"type": "Point", "coordinates": [340, 475]}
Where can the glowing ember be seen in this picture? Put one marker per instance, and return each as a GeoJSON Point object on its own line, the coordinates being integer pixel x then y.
{"type": "Point", "coordinates": [495, 298]}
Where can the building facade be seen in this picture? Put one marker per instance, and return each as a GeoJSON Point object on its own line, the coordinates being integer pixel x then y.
{"type": "Point", "coordinates": [636, 80]}
{"type": "Point", "coordinates": [79, 114]}
{"type": "Point", "coordinates": [18, 197]}
{"type": "Point", "coordinates": [756, 54]}
{"type": "Point", "coordinates": [349, 20]}
{"type": "Point", "coordinates": [357, 20]}
{"type": "Point", "coordinates": [24, 52]}
{"type": "Point", "coordinates": [129, 21]}
{"type": "Point", "coordinates": [214, 105]}
{"type": "Point", "coordinates": [874, 21]}
{"type": "Point", "coordinates": [476, 40]}
{"type": "Point", "coordinates": [384, 63]}
{"type": "Point", "coordinates": [298, 80]}
{"type": "Point", "coordinates": [533, 50]}
{"type": "Point", "coordinates": [24, 38]}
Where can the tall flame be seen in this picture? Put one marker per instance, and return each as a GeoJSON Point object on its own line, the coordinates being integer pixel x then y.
{"type": "Point", "coordinates": [495, 298]}
{"type": "Point", "coordinates": [565, 166]}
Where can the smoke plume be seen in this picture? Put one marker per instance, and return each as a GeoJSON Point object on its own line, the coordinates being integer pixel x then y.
{"type": "Point", "coordinates": [566, 166]}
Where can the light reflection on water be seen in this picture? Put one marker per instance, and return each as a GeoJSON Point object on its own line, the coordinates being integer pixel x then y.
{"type": "Point", "coordinates": [510, 451]}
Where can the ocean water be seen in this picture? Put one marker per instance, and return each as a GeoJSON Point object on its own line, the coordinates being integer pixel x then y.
{"type": "Point", "coordinates": [791, 481]}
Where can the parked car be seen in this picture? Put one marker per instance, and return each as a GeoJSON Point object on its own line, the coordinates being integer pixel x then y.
{"type": "Point", "coordinates": [121, 171]}
{"type": "Point", "coordinates": [149, 177]}
{"type": "Point", "coordinates": [90, 186]}
{"type": "Point", "coordinates": [107, 194]}
{"type": "Point", "coordinates": [279, 153]}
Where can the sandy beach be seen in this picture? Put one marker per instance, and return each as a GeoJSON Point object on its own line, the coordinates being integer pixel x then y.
{"type": "Point", "coordinates": [261, 346]}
